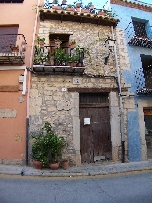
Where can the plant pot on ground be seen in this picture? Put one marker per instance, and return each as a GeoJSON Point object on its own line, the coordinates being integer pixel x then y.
{"type": "Point", "coordinates": [40, 149]}
{"type": "Point", "coordinates": [65, 164]}
{"type": "Point", "coordinates": [57, 144]}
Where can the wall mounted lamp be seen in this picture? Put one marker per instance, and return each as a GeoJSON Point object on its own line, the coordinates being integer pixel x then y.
{"type": "Point", "coordinates": [109, 44]}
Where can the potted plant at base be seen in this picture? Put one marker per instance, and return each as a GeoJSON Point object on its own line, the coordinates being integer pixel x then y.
{"type": "Point", "coordinates": [57, 144]}
{"type": "Point", "coordinates": [65, 164]}
{"type": "Point", "coordinates": [40, 149]}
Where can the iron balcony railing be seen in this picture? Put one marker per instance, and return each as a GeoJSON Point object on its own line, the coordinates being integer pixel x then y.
{"type": "Point", "coordinates": [137, 36]}
{"type": "Point", "coordinates": [12, 49]}
{"type": "Point", "coordinates": [143, 78]}
{"type": "Point", "coordinates": [58, 60]}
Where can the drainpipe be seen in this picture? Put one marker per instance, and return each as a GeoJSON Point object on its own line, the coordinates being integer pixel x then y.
{"type": "Point", "coordinates": [120, 102]}
{"type": "Point", "coordinates": [29, 80]}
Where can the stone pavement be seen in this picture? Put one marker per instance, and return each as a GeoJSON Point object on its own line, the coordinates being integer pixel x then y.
{"type": "Point", "coordinates": [84, 170]}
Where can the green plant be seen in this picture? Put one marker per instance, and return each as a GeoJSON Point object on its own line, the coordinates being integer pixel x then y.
{"type": "Point", "coordinates": [39, 39]}
{"type": "Point", "coordinates": [88, 5]}
{"type": "Point", "coordinates": [60, 56]}
{"type": "Point", "coordinates": [47, 146]}
{"type": "Point", "coordinates": [55, 1]}
{"type": "Point", "coordinates": [39, 56]}
{"type": "Point", "coordinates": [72, 41]}
{"type": "Point", "coordinates": [56, 143]}
{"type": "Point", "coordinates": [70, 6]}
{"type": "Point", "coordinates": [57, 40]}
{"type": "Point", "coordinates": [40, 147]}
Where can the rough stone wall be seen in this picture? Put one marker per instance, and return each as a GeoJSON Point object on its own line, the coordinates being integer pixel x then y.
{"type": "Point", "coordinates": [88, 36]}
{"type": "Point", "coordinates": [61, 108]}
{"type": "Point", "coordinates": [49, 102]}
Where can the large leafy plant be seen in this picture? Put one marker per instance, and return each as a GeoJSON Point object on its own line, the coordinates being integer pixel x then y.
{"type": "Point", "coordinates": [47, 145]}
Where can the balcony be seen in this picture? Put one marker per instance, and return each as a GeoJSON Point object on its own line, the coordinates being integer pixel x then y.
{"type": "Point", "coordinates": [58, 61]}
{"type": "Point", "coordinates": [9, 55]}
{"type": "Point", "coordinates": [136, 35]}
{"type": "Point", "coordinates": [144, 81]}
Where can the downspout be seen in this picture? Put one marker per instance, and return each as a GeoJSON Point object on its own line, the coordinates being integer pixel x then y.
{"type": "Point", "coordinates": [120, 102]}
{"type": "Point", "coordinates": [29, 80]}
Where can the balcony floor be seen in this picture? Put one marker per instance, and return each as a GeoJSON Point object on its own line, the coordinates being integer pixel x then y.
{"type": "Point", "coordinates": [58, 70]}
{"type": "Point", "coordinates": [11, 58]}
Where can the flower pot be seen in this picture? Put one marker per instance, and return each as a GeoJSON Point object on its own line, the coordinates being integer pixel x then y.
{"type": "Point", "coordinates": [92, 7]}
{"type": "Point", "coordinates": [72, 46]}
{"type": "Point", "coordinates": [54, 166]}
{"type": "Point", "coordinates": [56, 7]}
{"type": "Point", "coordinates": [70, 9]}
{"type": "Point", "coordinates": [65, 165]}
{"type": "Point", "coordinates": [102, 13]}
{"type": "Point", "coordinates": [42, 44]}
{"type": "Point", "coordinates": [85, 11]}
{"type": "Point", "coordinates": [64, 2]}
{"type": "Point", "coordinates": [15, 50]}
{"type": "Point", "coordinates": [78, 9]}
{"type": "Point", "coordinates": [57, 44]}
{"type": "Point", "coordinates": [37, 164]}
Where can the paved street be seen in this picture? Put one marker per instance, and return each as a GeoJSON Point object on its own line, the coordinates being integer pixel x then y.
{"type": "Point", "coordinates": [130, 188]}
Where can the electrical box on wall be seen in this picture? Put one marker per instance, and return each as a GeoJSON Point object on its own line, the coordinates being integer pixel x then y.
{"type": "Point", "coordinates": [21, 78]}
{"type": "Point", "coordinates": [76, 81]}
{"type": "Point", "coordinates": [64, 89]}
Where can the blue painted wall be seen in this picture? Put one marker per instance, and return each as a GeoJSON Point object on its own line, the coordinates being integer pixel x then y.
{"type": "Point", "coordinates": [124, 14]}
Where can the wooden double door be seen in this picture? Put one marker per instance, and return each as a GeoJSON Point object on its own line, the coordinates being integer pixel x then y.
{"type": "Point", "coordinates": [95, 132]}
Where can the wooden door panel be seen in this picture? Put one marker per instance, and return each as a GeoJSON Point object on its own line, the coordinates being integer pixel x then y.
{"type": "Point", "coordinates": [95, 138]}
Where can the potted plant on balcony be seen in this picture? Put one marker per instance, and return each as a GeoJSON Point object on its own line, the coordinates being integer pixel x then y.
{"type": "Point", "coordinates": [72, 43]}
{"type": "Point", "coordinates": [60, 57]}
{"type": "Point", "coordinates": [39, 56]}
{"type": "Point", "coordinates": [70, 7]}
{"type": "Point", "coordinates": [55, 5]}
{"type": "Point", "coordinates": [14, 48]}
{"type": "Point", "coordinates": [57, 43]}
{"type": "Point", "coordinates": [41, 41]}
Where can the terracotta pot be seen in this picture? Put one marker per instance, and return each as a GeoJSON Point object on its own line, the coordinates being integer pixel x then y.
{"type": "Point", "coordinates": [65, 165]}
{"type": "Point", "coordinates": [54, 166]}
{"type": "Point", "coordinates": [56, 7]}
{"type": "Point", "coordinates": [102, 13]}
{"type": "Point", "coordinates": [15, 50]}
{"type": "Point", "coordinates": [85, 11]}
{"type": "Point", "coordinates": [37, 164]}
{"type": "Point", "coordinates": [78, 9]}
{"type": "Point", "coordinates": [42, 44]}
{"type": "Point", "coordinates": [92, 7]}
{"type": "Point", "coordinates": [70, 9]}
{"type": "Point", "coordinates": [57, 44]}
{"type": "Point", "coordinates": [72, 46]}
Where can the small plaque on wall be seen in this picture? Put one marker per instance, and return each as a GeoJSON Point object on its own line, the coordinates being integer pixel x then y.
{"type": "Point", "coordinates": [86, 121]}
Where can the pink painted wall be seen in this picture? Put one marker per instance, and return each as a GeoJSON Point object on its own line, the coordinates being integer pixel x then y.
{"type": "Point", "coordinates": [22, 14]}
{"type": "Point", "coordinates": [13, 130]}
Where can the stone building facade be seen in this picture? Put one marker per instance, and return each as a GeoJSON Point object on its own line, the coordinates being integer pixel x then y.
{"type": "Point", "coordinates": [56, 97]}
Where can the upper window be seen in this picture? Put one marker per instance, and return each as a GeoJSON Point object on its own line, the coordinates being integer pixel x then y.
{"type": "Point", "coordinates": [64, 38]}
{"type": "Point", "coordinates": [11, 1]}
{"type": "Point", "coordinates": [8, 35]}
{"type": "Point", "coordinates": [139, 27]}
{"type": "Point", "coordinates": [147, 70]}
